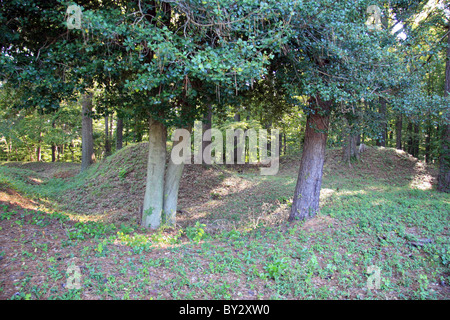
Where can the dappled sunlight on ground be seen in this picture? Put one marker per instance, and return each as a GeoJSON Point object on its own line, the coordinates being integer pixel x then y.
{"type": "Point", "coordinates": [422, 179]}
{"type": "Point", "coordinates": [326, 193]}
{"type": "Point", "coordinates": [8, 195]}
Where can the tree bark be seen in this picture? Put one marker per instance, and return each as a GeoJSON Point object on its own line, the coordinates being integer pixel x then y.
{"type": "Point", "coordinates": [307, 191]}
{"type": "Point", "coordinates": [349, 150]}
{"type": "Point", "coordinates": [269, 138]}
{"type": "Point", "coordinates": [398, 132]}
{"type": "Point", "coordinates": [382, 111]}
{"type": "Point", "coordinates": [107, 142]}
{"type": "Point", "coordinates": [237, 118]}
{"type": "Point", "coordinates": [409, 131]}
{"type": "Point", "coordinates": [171, 186]}
{"type": "Point", "coordinates": [415, 148]}
{"type": "Point", "coordinates": [119, 134]}
{"type": "Point", "coordinates": [87, 137]}
{"type": "Point", "coordinates": [444, 159]}
{"type": "Point", "coordinates": [206, 125]}
{"type": "Point", "coordinates": [154, 190]}
{"type": "Point", "coordinates": [38, 153]}
{"type": "Point", "coordinates": [53, 147]}
{"type": "Point", "coordinates": [53, 152]}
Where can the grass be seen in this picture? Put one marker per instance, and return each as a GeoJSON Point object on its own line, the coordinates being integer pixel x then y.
{"type": "Point", "coordinates": [235, 244]}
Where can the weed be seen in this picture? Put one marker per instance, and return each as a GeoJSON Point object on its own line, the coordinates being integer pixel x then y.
{"type": "Point", "coordinates": [197, 232]}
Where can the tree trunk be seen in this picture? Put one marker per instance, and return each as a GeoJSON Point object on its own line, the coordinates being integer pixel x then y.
{"type": "Point", "coordinates": [206, 125]}
{"type": "Point", "coordinates": [409, 131]}
{"type": "Point", "coordinates": [111, 122]}
{"type": "Point", "coordinates": [87, 137]}
{"type": "Point", "coordinates": [415, 149]}
{"type": "Point", "coordinates": [444, 159]}
{"type": "Point", "coordinates": [307, 191]}
{"type": "Point", "coordinates": [237, 118]}
{"type": "Point", "coordinates": [391, 138]}
{"type": "Point", "coordinates": [72, 152]}
{"type": "Point", "coordinates": [119, 134]}
{"type": "Point", "coordinates": [137, 130]}
{"type": "Point", "coordinates": [382, 110]}
{"type": "Point", "coordinates": [171, 186]}
{"type": "Point", "coordinates": [53, 145]}
{"type": "Point", "coordinates": [154, 190]}
{"type": "Point", "coordinates": [53, 152]}
{"type": "Point", "coordinates": [398, 132]}
{"type": "Point", "coordinates": [269, 138]}
{"type": "Point", "coordinates": [358, 139]}
{"type": "Point", "coordinates": [349, 150]}
{"type": "Point", "coordinates": [107, 142]}
{"type": "Point", "coordinates": [444, 165]}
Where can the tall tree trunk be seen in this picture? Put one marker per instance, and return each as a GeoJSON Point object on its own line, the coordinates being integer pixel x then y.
{"type": "Point", "coordinates": [237, 118]}
{"type": "Point", "coordinates": [415, 150]}
{"type": "Point", "coordinates": [391, 138]}
{"type": "Point", "coordinates": [53, 152]}
{"type": "Point", "coordinates": [307, 191]}
{"type": "Point", "coordinates": [111, 122]}
{"type": "Point", "coordinates": [409, 131]}
{"type": "Point", "coordinates": [72, 152]}
{"type": "Point", "coordinates": [349, 150]}
{"type": "Point", "coordinates": [107, 142]}
{"type": "Point", "coordinates": [358, 139]}
{"type": "Point", "coordinates": [444, 165]}
{"type": "Point", "coordinates": [138, 132]}
{"type": "Point", "coordinates": [38, 151]}
{"type": "Point", "coordinates": [119, 133]}
{"type": "Point", "coordinates": [154, 190]}
{"type": "Point", "coordinates": [280, 143]}
{"type": "Point", "coordinates": [171, 185]}
{"type": "Point", "coordinates": [398, 132]}
{"type": "Point", "coordinates": [382, 111]}
{"type": "Point", "coordinates": [53, 144]}
{"type": "Point", "coordinates": [269, 138]}
{"type": "Point", "coordinates": [206, 125]}
{"type": "Point", "coordinates": [87, 134]}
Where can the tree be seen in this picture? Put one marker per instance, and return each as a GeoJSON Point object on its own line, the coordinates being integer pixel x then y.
{"type": "Point", "coordinates": [326, 49]}
{"type": "Point", "coordinates": [180, 55]}
{"type": "Point", "coordinates": [87, 156]}
{"type": "Point", "coordinates": [444, 169]}
{"type": "Point", "coordinates": [337, 62]}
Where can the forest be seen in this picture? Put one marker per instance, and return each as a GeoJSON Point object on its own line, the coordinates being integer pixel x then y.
{"type": "Point", "coordinates": [219, 149]}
